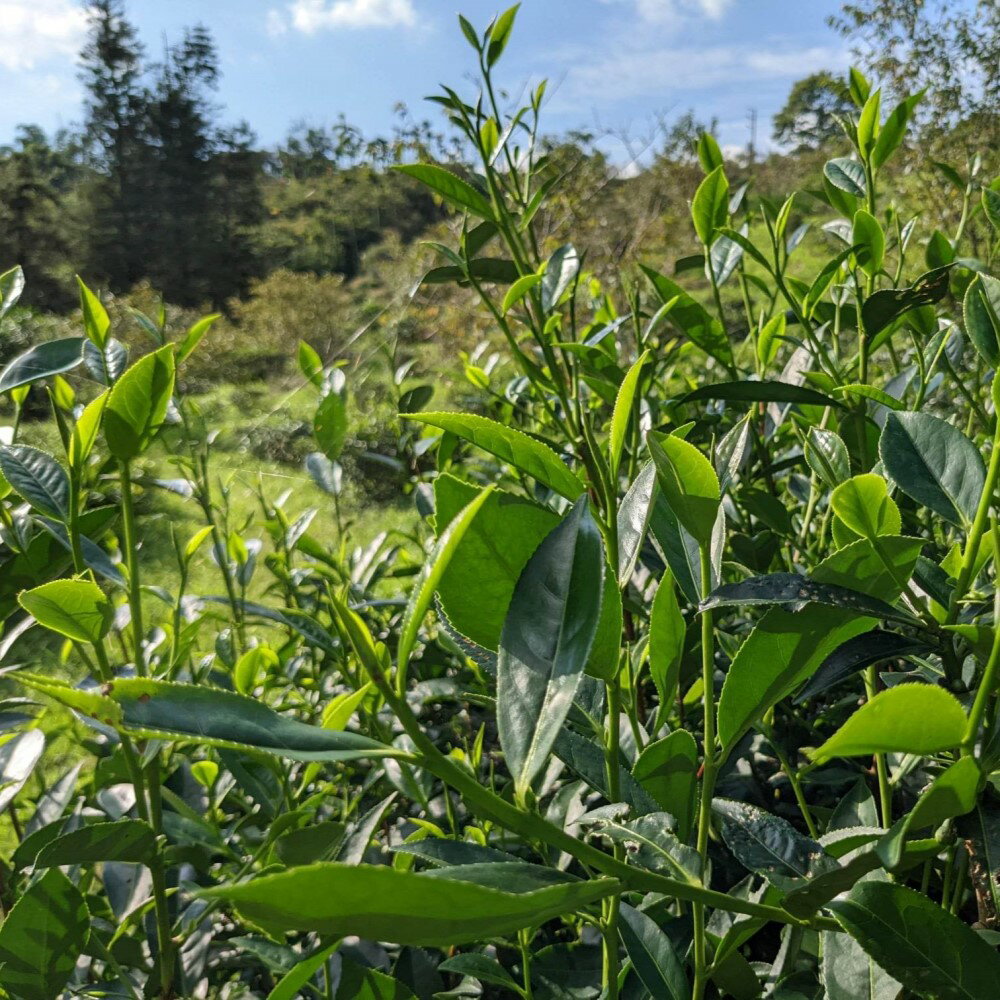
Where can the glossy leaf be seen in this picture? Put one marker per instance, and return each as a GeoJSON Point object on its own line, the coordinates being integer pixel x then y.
{"type": "Point", "coordinates": [710, 205]}
{"type": "Point", "coordinates": [137, 404]}
{"type": "Point", "coordinates": [689, 483]}
{"type": "Point", "coordinates": [545, 642]}
{"type": "Point", "coordinates": [53, 357]}
{"type": "Point", "coordinates": [457, 192]}
{"type": "Point", "coordinates": [330, 425]}
{"type": "Point", "coordinates": [781, 652]}
{"type": "Point", "coordinates": [389, 905]}
{"type": "Point", "coordinates": [763, 392]}
{"type": "Point", "coordinates": [652, 955]}
{"type": "Point", "coordinates": [927, 949]}
{"type": "Point", "coordinates": [77, 609]}
{"type": "Point", "coordinates": [37, 477]}
{"type": "Point", "coordinates": [622, 414]}
{"type": "Point", "coordinates": [908, 718]}
{"type": "Point", "coordinates": [509, 445]}
{"type": "Point", "coordinates": [934, 463]}
{"type": "Point", "coordinates": [846, 175]}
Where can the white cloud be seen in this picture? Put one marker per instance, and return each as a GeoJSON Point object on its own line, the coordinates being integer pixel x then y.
{"type": "Point", "coordinates": [675, 11]}
{"type": "Point", "coordinates": [311, 16]}
{"type": "Point", "coordinates": [36, 31]}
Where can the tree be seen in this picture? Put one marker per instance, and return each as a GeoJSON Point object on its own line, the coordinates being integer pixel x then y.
{"type": "Point", "coordinates": [809, 118]}
{"type": "Point", "coordinates": [950, 47]}
{"type": "Point", "coordinates": [114, 134]}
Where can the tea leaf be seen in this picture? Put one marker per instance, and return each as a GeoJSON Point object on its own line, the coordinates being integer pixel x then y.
{"type": "Point", "coordinates": [37, 477]}
{"type": "Point", "coordinates": [53, 357]}
{"type": "Point", "coordinates": [137, 404]}
{"type": "Point", "coordinates": [458, 193]}
{"type": "Point", "coordinates": [689, 483]}
{"type": "Point", "coordinates": [652, 955]}
{"type": "Point", "coordinates": [77, 609]}
{"type": "Point", "coordinates": [908, 718]}
{"type": "Point", "coordinates": [545, 642]}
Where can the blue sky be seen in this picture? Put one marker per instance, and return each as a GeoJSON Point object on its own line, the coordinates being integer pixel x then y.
{"type": "Point", "coordinates": [612, 64]}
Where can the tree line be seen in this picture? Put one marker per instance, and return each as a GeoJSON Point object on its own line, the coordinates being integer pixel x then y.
{"type": "Point", "coordinates": [154, 185]}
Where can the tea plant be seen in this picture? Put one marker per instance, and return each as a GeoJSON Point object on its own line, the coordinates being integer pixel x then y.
{"type": "Point", "coordinates": [693, 694]}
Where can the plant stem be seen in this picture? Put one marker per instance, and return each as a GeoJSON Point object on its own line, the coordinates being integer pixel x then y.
{"type": "Point", "coordinates": [708, 774]}
{"type": "Point", "coordinates": [610, 905]}
{"type": "Point", "coordinates": [884, 789]}
{"type": "Point", "coordinates": [132, 565]}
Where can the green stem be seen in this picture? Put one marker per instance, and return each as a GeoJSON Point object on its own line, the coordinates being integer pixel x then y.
{"type": "Point", "coordinates": [610, 906]}
{"type": "Point", "coordinates": [132, 565]}
{"type": "Point", "coordinates": [708, 774]}
{"type": "Point", "coordinates": [884, 789]}
{"type": "Point", "coordinates": [987, 682]}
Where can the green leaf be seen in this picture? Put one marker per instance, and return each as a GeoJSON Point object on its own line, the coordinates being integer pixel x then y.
{"type": "Point", "coordinates": [128, 840]}
{"type": "Point", "coordinates": [96, 321]}
{"type": "Point", "coordinates": [858, 87]}
{"type": "Point", "coordinates": [585, 758]}
{"type": "Point", "coordinates": [826, 454]}
{"type": "Point", "coordinates": [796, 589]}
{"type": "Point", "coordinates": [909, 718]}
{"type": "Point", "coordinates": [652, 955]}
{"type": "Point", "coordinates": [330, 425]}
{"type": "Point", "coordinates": [53, 357]}
{"type": "Point", "coordinates": [194, 336]}
{"type": "Point", "coordinates": [981, 830]}
{"type": "Point", "coordinates": [864, 505]}
{"type": "Point", "coordinates": [893, 130]}
{"type": "Point", "coordinates": [633, 520]}
{"type": "Point", "coordinates": [887, 304]}
{"type": "Point", "coordinates": [509, 445]}
{"type": "Point", "coordinates": [651, 844]}
{"type": "Point", "coordinates": [292, 982]}
{"type": "Point", "coordinates": [431, 574]}
{"type": "Point", "coordinates": [934, 463]}
{"type": "Point", "coordinates": [846, 175]}
{"type": "Point", "coordinates": [880, 573]}
{"type": "Point", "coordinates": [201, 714]}
{"type": "Point", "coordinates": [764, 391]}
{"type": "Point", "coordinates": [849, 973]}
{"type": "Point", "coordinates": [709, 154]}
{"type": "Point", "coordinates": [561, 270]}
{"type": "Point", "coordinates": [666, 641]}
{"type": "Point", "coordinates": [862, 651]}
{"type": "Point", "coordinates": [518, 290]}
{"type": "Point", "coordinates": [622, 414]}
{"type": "Point", "coordinates": [500, 34]}
{"type": "Point", "coordinates": [867, 234]}
{"type": "Point", "coordinates": [691, 318]}
{"type": "Point", "coordinates": [868, 124]}
{"type": "Point", "coordinates": [37, 477]}
{"type": "Point", "coordinates": [991, 206]}
{"type": "Point", "coordinates": [873, 393]}
{"type": "Point", "coordinates": [85, 431]}
{"type": "Point", "coordinates": [458, 193]}
{"type": "Point", "coordinates": [781, 652]}
{"type": "Point", "coordinates": [770, 338]}
{"type": "Point", "coordinates": [689, 484]}
{"type": "Point", "coordinates": [922, 945]}
{"type": "Point", "coordinates": [77, 609]}
{"type": "Point", "coordinates": [385, 904]}
{"type": "Point", "coordinates": [42, 937]}
{"type": "Point", "coordinates": [11, 287]}
{"type": "Point", "coordinates": [982, 316]}
{"type": "Point", "coordinates": [710, 205]}
{"type": "Point", "coordinates": [137, 404]}
{"type": "Point", "coordinates": [546, 639]}
{"type": "Point", "coordinates": [668, 769]}
{"type": "Point", "coordinates": [481, 967]}
{"type": "Point", "coordinates": [768, 845]}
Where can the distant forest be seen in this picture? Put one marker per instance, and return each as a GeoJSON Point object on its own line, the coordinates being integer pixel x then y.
{"type": "Point", "coordinates": [154, 186]}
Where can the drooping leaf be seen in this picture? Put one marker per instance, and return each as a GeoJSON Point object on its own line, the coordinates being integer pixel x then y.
{"type": "Point", "coordinates": [53, 357]}
{"type": "Point", "coordinates": [908, 718]}
{"type": "Point", "coordinates": [37, 477]}
{"type": "Point", "coordinates": [887, 304]}
{"type": "Point", "coordinates": [546, 639]}
{"type": "Point", "coordinates": [509, 445]}
{"type": "Point", "coordinates": [793, 588]}
{"type": "Point", "coordinates": [389, 905]}
{"type": "Point", "coordinates": [691, 318]}
{"type": "Point", "coordinates": [172, 711]}
{"type": "Point", "coordinates": [42, 937]}
{"type": "Point", "coordinates": [862, 651]}
{"type": "Point", "coordinates": [137, 404]}
{"type": "Point", "coordinates": [457, 192]}
{"type": "Point", "coordinates": [766, 391]}
{"type": "Point", "coordinates": [934, 463]}
{"type": "Point", "coordinates": [918, 942]}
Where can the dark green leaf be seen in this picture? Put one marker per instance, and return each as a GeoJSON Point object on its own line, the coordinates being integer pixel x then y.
{"type": "Point", "coordinates": [846, 175]}
{"type": "Point", "coordinates": [37, 477]}
{"type": "Point", "coordinates": [546, 639]}
{"type": "Point", "coordinates": [881, 308]}
{"type": "Point", "coordinates": [763, 391]}
{"type": "Point", "coordinates": [125, 840]}
{"type": "Point", "coordinates": [458, 193]}
{"type": "Point", "coordinates": [54, 357]}
{"type": "Point", "coordinates": [922, 945]}
{"type": "Point", "coordinates": [652, 955]}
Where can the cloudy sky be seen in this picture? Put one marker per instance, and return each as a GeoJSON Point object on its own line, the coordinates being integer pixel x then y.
{"type": "Point", "coordinates": [612, 64]}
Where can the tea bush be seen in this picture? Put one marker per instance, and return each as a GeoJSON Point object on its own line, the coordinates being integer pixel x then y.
{"type": "Point", "coordinates": [693, 693]}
